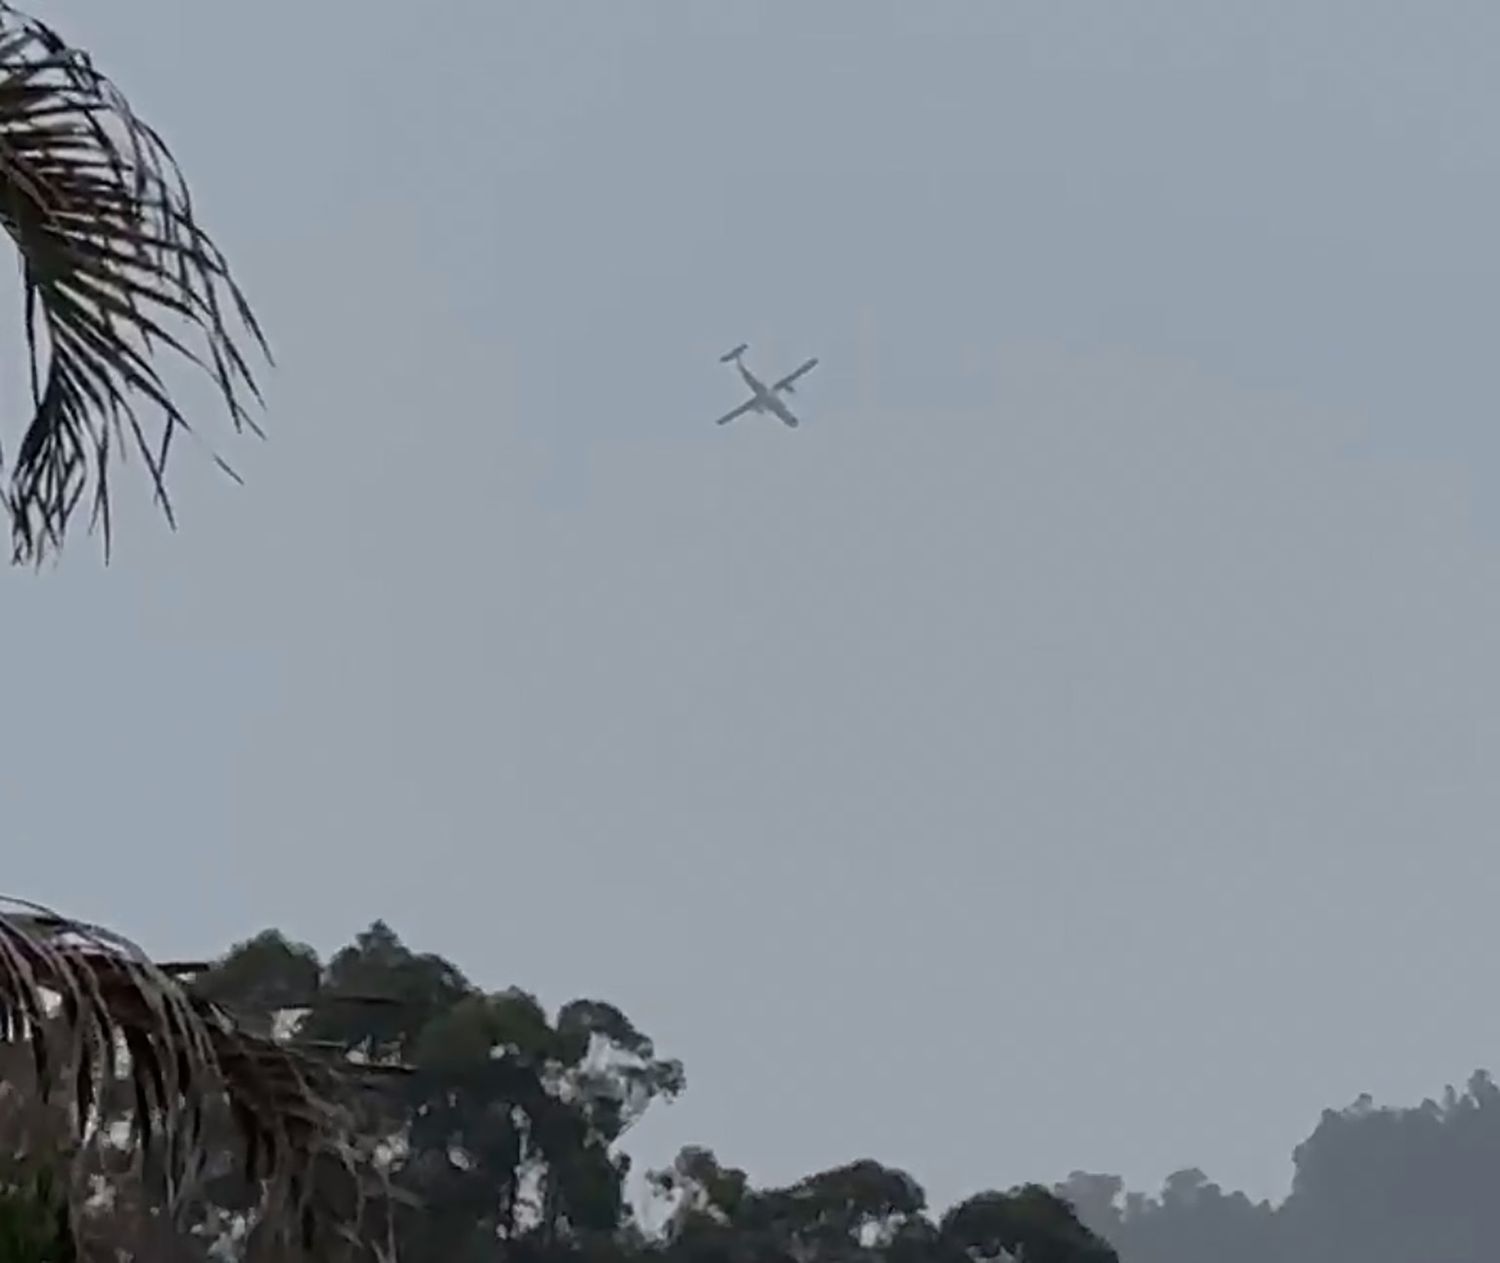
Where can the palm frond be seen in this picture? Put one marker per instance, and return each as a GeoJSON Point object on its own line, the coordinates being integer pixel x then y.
{"type": "Point", "coordinates": [112, 260]}
{"type": "Point", "coordinates": [93, 1013]}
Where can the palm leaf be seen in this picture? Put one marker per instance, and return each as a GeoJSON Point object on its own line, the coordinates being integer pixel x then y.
{"type": "Point", "coordinates": [112, 261]}
{"type": "Point", "coordinates": [94, 1014]}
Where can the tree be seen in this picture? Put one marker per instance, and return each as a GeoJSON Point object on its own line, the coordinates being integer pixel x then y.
{"type": "Point", "coordinates": [94, 1035]}
{"type": "Point", "coordinates": [1030, 1224]}
{"type": "Point", "coordinates": [415, 990]}
{"type": "Point", "coordinates": [506, 1130]}
{"type": "Point", "coordinates": [1192, 1218]}
{"type": "Point", "coordinates": [861, 1212]}
{"type": "Point", "coordinates": [507, 1133]}
{"type": "Point", "coordinates": [115, 271]}
{"type": "Point", "coordinates": [1390, 1185]}
{"type": "Point", "coordinates": [34, 1221]}
{"type": "Point", "coordinates": [1376, 1183]}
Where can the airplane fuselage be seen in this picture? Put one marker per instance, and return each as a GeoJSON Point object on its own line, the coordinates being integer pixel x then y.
{"type": "Point", "coordinates": [765, 397]}
{"type": "Point", "coordinates": [757, 387]}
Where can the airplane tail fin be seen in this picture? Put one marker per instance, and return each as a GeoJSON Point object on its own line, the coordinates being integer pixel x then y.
{"type": "Point", "coordinates": [734, 354]}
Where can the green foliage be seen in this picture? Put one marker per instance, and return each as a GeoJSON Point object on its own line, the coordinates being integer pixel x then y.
{"type": "Point", "coordinates": [1381, 1185]}
{"type": "Point", "coordinates": [265, 976]}
{"type": "Point", "coordinates": [507, 1123]}
{"type": "Point", "coordinates": [96, 1039]}
{"type": "Point", "coordinates": [1030, 1223]}
{"type": "Point", "coordinates": [377, 965]}
{"type": "Point", "coordinates": [511, 1120]}
{"type": "Point", "coordinates": [34, 1226]}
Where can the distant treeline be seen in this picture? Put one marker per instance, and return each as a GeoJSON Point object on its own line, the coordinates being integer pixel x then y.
{"type": "Point", "coordinates": [511, 1123]}
{"type": "Point", "coordinates": [1372, 1185]}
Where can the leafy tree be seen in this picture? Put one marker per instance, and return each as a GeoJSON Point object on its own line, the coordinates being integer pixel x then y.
{"type": "Point", "coordinates": [414, 989]}
{"type": "Point", "coordinates": [1192, 1218]}
{"type": "Point", "coordinates": [1392, 1185]}
{"type": "Point", "coordinates": [847, 1214]}
{"type": "Point", "coordinates": [1378, 1184]}
{"type": "Point", "coordinates": [34, 1220]}
{"type": "Point", "coordinates": [862, 1212]}
{"type": "Point", "coordinates": [506, 1130]}
{"type": "Point", "coordinates": [93, 1036]}
{"type": "Point", "coordinates": [711, 1213]}
{"type": "Point", "coordinates": [1030, 1223]}
{"type": "Point", "coordinates": [507, 1134]}
{"type": "Point", "coordinates": [263, 978]}
{"type": "Point", "coordinates": [115, 271]}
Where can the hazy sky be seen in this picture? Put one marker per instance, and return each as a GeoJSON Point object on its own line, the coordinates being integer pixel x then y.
{"type": "Point", "coordinates": [1075, 747]}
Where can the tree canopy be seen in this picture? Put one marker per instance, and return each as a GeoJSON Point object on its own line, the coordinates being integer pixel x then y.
{"type": "Point", "coordinates": [507, 1132]}
{"type": "Point", "coordinates": [117, 1076]}
{"type": "Point", "coordinates": [1378, 1184]}
{"type": "Point", "coordinates": [490, 1127]}
{"type": "Point", "coordinates": [514, 1125]}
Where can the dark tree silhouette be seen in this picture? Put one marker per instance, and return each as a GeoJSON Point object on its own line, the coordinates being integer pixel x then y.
{"type": "Point", "coordinates": [94, 1035]}
{"type": "Point", "coordinates": [512, 1119]}
{"type": "Point", "coordinates": [1377, 1184]}
{"type": "Point", "coordinates": [115, 271]}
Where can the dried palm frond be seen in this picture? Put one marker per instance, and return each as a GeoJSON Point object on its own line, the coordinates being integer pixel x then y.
{"type": "Point", "coordinates": [111, 255]}
{"type": "Point", "coordinates": [94, 1015]}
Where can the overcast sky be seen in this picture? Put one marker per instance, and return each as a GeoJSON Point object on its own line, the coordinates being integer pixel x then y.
{"type": "Point", "coordinates": [1074, 747]}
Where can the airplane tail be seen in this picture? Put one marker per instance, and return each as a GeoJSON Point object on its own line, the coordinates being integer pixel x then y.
{"type": "Point", "coordinates": [734, 354]}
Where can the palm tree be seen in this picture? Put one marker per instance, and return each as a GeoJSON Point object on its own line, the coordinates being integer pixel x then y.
{"type": "Point", "coordinates": [115, 271]}
{"type": "Point", "coordinates": [113, 261]}
{"type": "Point", "coordinates": [95, 1039]}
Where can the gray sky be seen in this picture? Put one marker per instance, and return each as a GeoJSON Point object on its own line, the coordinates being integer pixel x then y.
{"type": "Point", "coordinates": [1092, 710]}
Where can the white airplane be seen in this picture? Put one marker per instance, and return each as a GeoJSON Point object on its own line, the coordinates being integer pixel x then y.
{"type": "Point", "coordinates": [763, 398]}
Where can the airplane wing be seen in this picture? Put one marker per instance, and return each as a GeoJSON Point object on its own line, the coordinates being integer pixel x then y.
{"type": "Point", "coordinates": [786, 382]}
{"type": "Point", "coordinates": [738, 412]}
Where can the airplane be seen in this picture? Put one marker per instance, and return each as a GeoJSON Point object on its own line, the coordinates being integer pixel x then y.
{"type": "Point", "coordinates": [763, 398]}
